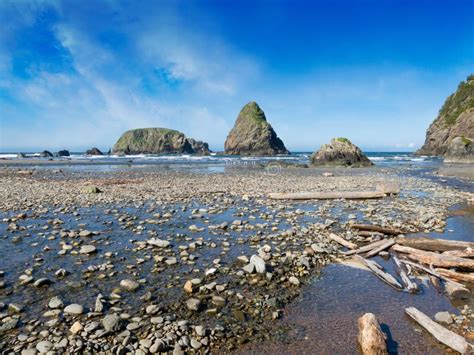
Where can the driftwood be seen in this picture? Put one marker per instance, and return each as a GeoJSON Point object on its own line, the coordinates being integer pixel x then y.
{"type": "Point", "coordinates": [425, 269]}
{"type": "Point", "coordinates": [381, 192]}
{"type": "Point", "coordinates": [430, 258]}
{"type": "Point", "coordinates": [433, 244]}
{"type": "Point", "coordinates": [373, 228]}
{"type": "Point", "coordinates": [467, 253]}
{"type": "Point", "coordinates": [365, 248]}
{"type": "Point", "coordinates": [342, 241]}
{"type": "Point", "coordinates": [443, 335]}
{"type": "Point", "coordinates": [410, 286]}
{"type": "Point", "coordinates": [378, 271]}
{"type": "Point", "coordinates": [456, 291]}
{"type": "Point", "coordinates": [456, 276]}
{"type": "Point", "coordinates": [371, 338]}
{"type": "Point", "coordinates": [387, 244]}
{"type": "Point", "coordinates": [369, 234]}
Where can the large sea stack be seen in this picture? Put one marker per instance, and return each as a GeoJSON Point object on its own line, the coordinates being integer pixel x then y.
{"type": "Point", "coordinates": [340, 152]}
{"type": "Point", "coordinates": [158, 141]}
{"type": "Point", "coordinates": [455, 119]}
{"type": "Point", "coordinates": [253, 135]}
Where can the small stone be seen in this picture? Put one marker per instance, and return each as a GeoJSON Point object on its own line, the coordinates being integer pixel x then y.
{"type": "Point", "coordinates": [259, 264]}
{"type": "Point", "coordinates": [15, 307]}
{"type": "Point", "coordinates": [55, 303]}
{"type": "Point", "coordinates": [444, 317]}
{"type": "Point", "coordinates": [294, 280]}
{"type": "Point", "coordinates": [129, 285]}
{"type": "Point", "coordinates": [87, 249]}
{"type": "Point", "coordinates": [42, 282]}
{"type": "Point", "coordinates": [44, 346]}
{"type": "Point", "coordinates": [188, 286]}
{"type": "Point", "coordinates": [111, 323]}
{"type": "Point", "coordinates": [74, 309]}
{"type": "Point", "coordinates": [157, 347]}
{"type": "Point", "coordinates": [249, 268]}
{"type": "Point", "coordinates": [200, 330]}
{"type": "Point", "coordinates": [193, 304]}
{"type": "Point", "coordinates": [76, 328]}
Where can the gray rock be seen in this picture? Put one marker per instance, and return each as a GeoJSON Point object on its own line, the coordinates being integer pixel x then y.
{"type": "Point", "coordinates": [55, 303]}
{"type": "Point", "coordinates": [259, 264]}
{"type": "Point", "coordinates": [444, 317]}
{"type": "Point", "coordinates": [74, 309]}
{"type": "Point", "coordinates": [193, 304]}
{"type": "Point", "coordinates": [460, 150]}
{"type": "Point", "coordinates": [42, 282]}
{"type": "Point", "coordinates": [129, 285]}
{"type": "Point", "coordinates": [340, 152]}
{"type": "Point", "coordinates": [87, 249]}
{"type": "Point", "coordinates": [44, 346]}
{"type": "Point", "coordinates": [111, 323]}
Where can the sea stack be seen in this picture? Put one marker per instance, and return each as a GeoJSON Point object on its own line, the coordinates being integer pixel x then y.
{"type": "Point", "coordinates": [158, 141]}
{"type": "Point", "coordinates": [340, 152]}
{"type": "Point", "coordinates": [455, 119]}
{"type": "Point", "coordinates": [253, 135]}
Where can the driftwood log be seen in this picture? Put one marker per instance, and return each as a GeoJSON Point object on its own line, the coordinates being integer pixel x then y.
{"type": "Point", "coordinates": [373, 228]}
{"type": "Point", "coordinates": [365, 248]}
{"type": "Point", "coordinates": [435, 259]}
{"type": "Point", "coordinates": [466, 253]}
{"type": "Point", "coordinates": [342, 241]}
{"type": "Point", "coordinates": [456, 276]}
{"type": "Point", "coordinates": [387, 244]}
{"type": "Point", "coordinates": [443, 335]}
{"type": "Point", "coordinates": [379, 272]}
{"type": "Point", "coordinates": [410, 286]}
{"type": "Point", "coordinates": [433, 244]}
{"type": "Point", "coordinates": [371, 339]}
{"type": "Point", "coordinates": [456, 291]}
{"type": "Point", "coordinates": [381, 192]}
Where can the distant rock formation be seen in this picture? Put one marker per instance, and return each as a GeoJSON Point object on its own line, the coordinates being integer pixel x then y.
{"type": "Point", "coordinates": [455, 119]}
{"type": "Point", "coordinates": [460, 150]}
{"type": "Point", "coordinates": [63, 153]}
{"type": "Point", "coordinates": [253, 135]}
{"type": "Point", "coordinates": [340, 152]}
{"type": "Point", "coordinates": [46, 154]}
{"type": "Point", "coordinates": [158, 141]}
{"type": "Point", "coordinates": [94, 151]}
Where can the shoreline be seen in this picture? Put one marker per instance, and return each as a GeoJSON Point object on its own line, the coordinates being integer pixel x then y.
{"type": "Point", "coordinates": [188, 210]}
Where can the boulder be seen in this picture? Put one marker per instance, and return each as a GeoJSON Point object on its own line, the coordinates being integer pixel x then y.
{"type": "Point", "coordinates": [455, 119]}
{"type": "Point", "coordinates": [46, 154]}
{"type": "Point", "coordinates": [340, 152]}
{"type": "Point", "coordinates": [158, 141]}
{"type": "Point", "coordinates": [94, 151]}
{"type": "Point", "coordinates": [253, 135]}
{"type": "Point", "coordinates": [63, 153]}
{"type": "Point", "coordinates": [460, 150]}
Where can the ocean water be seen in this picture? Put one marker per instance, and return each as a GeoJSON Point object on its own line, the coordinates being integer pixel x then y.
{"type": "Point", "coordinates": [216, 160]}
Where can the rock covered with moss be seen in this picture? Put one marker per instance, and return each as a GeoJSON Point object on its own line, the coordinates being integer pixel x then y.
{"type": "Point", "coordinates": [340, 152]}
{"type": "Point", "coordinates": [455, 119]}
{"type": "Point", "coordinates": [460, 150]}
{"type": "Point", "coordinates": [253, 135]}
{"type": "Point", "coordinates": [158, 141]}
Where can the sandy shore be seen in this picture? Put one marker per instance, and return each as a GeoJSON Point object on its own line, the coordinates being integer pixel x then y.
{"type": "Point", "coordinates": [178, 261]}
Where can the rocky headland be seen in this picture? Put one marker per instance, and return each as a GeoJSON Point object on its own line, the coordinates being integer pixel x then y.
{"type": "Point", "coordinates": [253, 135]}
{"type": "Point", "coordinates": [455, 119]}
{"type": "Point", "coordinates": [158, 141]}
{"type": "Point", "coordinates": [340, 152]}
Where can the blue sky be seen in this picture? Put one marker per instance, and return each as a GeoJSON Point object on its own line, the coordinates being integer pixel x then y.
{"type": "Point", "coordinates": [76, 74]}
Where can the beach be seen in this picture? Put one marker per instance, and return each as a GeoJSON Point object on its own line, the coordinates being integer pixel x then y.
{"type": "Point", "coordinates": [167, 252]}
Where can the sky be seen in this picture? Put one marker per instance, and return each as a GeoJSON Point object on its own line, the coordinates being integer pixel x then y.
{"type": "Point", "coordinates": [76, 74]}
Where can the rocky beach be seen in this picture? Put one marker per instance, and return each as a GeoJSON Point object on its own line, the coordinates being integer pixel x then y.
{"type": "Point", "coordinates": [148, 261]}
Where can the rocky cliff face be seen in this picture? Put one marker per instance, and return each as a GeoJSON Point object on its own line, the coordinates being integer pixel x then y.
{"type": "Point", "coordinates": [460, 150]}
{"type": "Point", "coordinates": [340, 152]}
{"type": "Point", "coordinates": [158, 141]}
{"type": "Point", "coordinates": [253, 135]}
{"type": "Point", "coordinates": [455, 119]}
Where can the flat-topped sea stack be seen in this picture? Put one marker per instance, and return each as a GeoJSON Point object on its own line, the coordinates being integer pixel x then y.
{"type": "Point", "coordinates": [460, 150]}
{"type": "Point", "coordinates": [158, 141]}
{"type": "Point", "coordinates": [340, 152]}
{"type": "Point", "coordinates": [253, 135]}
{"type": "Point", "coordinates": [455, 119]}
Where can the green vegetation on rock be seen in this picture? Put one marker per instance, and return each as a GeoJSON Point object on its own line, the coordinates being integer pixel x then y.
{"type": "Point", "coordinates": [466, 141]}
{"type": "Point", "coordinates": [459, 102]}
{"type": "Point", "coordinates": [343, 140]}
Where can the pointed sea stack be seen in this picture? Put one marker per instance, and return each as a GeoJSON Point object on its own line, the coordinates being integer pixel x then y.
{"type": "Point", "coordinates": [340, 152]}
{"type": "Point", "coordinates": [158, 141]}
{"type": "Point", "coordinates": [253, 135]}
{"type": "Point", "coordinates": [455, 119]}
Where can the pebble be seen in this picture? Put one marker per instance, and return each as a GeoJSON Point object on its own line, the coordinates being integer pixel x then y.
{"type": "Point", "coordinates": [193, 304]}
{"type": "Point", "coordinates": [129, 285]}
{"type": "Point", "coordinates": [111, 323]}
{"type": "Point", "coordinates": [44, 346]}
{"type": "Point", "coordinates": [444, 318]}
{"type": "Point", "coordinates": [87, 249]}
{"type": "Point", "coordinates": [74, 309]}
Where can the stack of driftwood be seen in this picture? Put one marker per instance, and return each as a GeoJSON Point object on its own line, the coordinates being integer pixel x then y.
{"type": "Point", "coordinates": [448, 263]}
